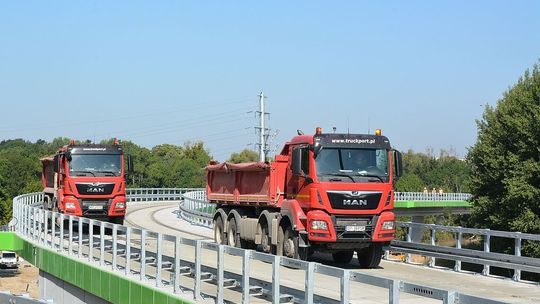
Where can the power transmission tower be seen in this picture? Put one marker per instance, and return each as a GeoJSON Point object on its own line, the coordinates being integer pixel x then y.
{"type": "Point", "coordinates": [263, 131]}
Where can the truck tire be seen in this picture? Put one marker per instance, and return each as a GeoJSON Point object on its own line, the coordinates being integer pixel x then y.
{"type": "Point", "coordinates": [343, 257]}
{"type": "Point", "coordinates": [370, 257]}
{"type": "Point", "coordinates": [266, 244]}
{"type": "Point", "coordinates": [288, 244]}
{"type": "Point", "coordinates": [233, 234]}
{"type": "Point", "coordinates": [219, 231]}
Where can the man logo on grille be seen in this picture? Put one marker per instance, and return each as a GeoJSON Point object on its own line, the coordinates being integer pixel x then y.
{"type": "Point", "coordinates": [354, 202]}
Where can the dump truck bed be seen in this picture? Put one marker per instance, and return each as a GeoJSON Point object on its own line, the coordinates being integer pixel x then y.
{"type": "Point", "coordinates": [257, 183]}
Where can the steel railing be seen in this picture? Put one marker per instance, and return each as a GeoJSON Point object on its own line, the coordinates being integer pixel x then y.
{"type": "Point", "coordinates": [143, 255]}
{"type": "Point", "coordinates": [197, 210]}
{"type": "Point", "coordinates": [431, 196]}
{"type": "Point", "coordinates": [484, 257]}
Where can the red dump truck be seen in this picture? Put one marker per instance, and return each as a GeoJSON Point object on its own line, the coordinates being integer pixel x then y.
{"type": "Point", "coordinates": [87, 180]}
{"type": "Point", "coordinates": [324, 192]}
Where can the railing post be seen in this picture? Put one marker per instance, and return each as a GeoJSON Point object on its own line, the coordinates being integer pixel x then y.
{"type": "Point", "coordinates": [409, 233]}
{"type": "Point", "coordinates": [197, 287]}
{"type": "Point", "coordinates": [393, 290]}
{"type": "Point", "coordinates": [275, 279]}
{"type": "Point", "coordinates": [61, 240]}
{"type": "Point", "coordinates": [487, 240]}
{"type": "Point", "coordinates": [459, 235]}
{"type": "Point", "coordinates": [245, 276]}
{"type": "Point", "coordinates": [101, 244]}
{"type": "Point", "coordinates": [53, 228]}
{"type": "Point", "coordinates": [127, 268]}
{"type": "Point", "coordinates": [159, 257]}
{"type": "Point", "coordinates": [91, 240]}
{"type": "Point", "coordinates": [142, 271]}
{"type": "Point", "coordinates": [344, 282]}
{"type": "Point", "coordinates": [46, 224]}
{"type": "Point", "coordinates": [80, 235]}
{"type": "Point", "coordinates": [517, 252]}
{"type": "Point", "coordinates": [70, 235]}
{"type": "Point", "coordinates": [309, 283]}
{"type": "Point", "coordinates": [220, 276]}
{"type": "Point", "coordinates": [176, 264]}
{"type": "Point", "coordinates": [114, 245]}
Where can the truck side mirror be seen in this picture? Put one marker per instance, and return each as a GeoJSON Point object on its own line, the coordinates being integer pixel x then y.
{"type": "Point", "coordinates": [56, 164]}
{"type": "Point", "coordinates": [130, 167]}
{"type": "Point", "coordinates": [398, 164]}
{"type": "Point", "coordinates": [297, 161]}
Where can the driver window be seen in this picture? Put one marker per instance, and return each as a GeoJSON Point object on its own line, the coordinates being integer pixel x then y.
{"type": "Point", "coordinates": [305, 161]}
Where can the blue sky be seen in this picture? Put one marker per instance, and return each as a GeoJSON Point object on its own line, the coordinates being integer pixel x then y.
{"type": "Point", "coordinates": [175, 71]}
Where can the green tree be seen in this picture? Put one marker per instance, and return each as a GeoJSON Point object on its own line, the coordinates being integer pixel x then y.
{"type": "Point", "coordinates": [409, 182]}
{"type": "Point", "coordinates": [245, 156]}
{"type": "Point", "coordinates": [506, 161]}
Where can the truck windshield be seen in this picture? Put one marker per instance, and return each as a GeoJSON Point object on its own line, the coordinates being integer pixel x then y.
{"type": "Point", "coordinates": [8, 255]}
{"type": "Point", "coordinates": [95, 165]}
{"type": "Point", "coordinates": [356, 165]}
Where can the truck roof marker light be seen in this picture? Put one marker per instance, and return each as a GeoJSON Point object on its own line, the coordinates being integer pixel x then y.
{"type": "Point", "coordinates": [318, 130]}
{"type": "Point", "coordinates": [378, 132]}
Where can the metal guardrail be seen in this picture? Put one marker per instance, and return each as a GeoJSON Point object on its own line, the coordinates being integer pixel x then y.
{"type": "Point", "coordinates": [484, 257]}
{"type": "Point", "coordinates": [430, 196]}
{"type": "Point", "coordinates": [153, 194]}
{"type": "Point", "coordinates": [128, 251]}
{"type": "Point", "coordinates": [197, 210]}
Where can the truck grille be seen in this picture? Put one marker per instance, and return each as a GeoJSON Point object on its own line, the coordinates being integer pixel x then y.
{"type": "Point", "coordinates": [340, 224]}
{"type": "Point", "coordinates": [95, 207]}
{"type": "Point", "coordinates": [95, 188]}
{"type": "Point", "coordinates": [354, 200]}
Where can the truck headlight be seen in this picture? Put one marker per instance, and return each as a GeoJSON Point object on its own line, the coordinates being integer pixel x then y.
{"type": "Point", "coordinates": [319, 225]}
{"type": "Point", "coordinates": [387, 225]}
{"type": "Point", "coordinates": [70, 205]}
{"type": "Point", "coordinates": [120, 205]}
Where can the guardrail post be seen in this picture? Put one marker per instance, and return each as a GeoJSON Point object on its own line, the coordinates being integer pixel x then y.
{"type": "Point", "coordinates": [197, 287]}
{"type": "Point", "coordinates": [245, 276]}
{"type": "Point", "coordinates": [517, 252]}
{"type": "Point", "coordinates": [409, 233]}
{"type": "Point", "coordinates": [275, 279]}
{"type": "Point", "coordinates": [127, 268]}
{"type": "Point", "coordinates": [220, 276]}
{"type": "Point", "coordinates": [309, 283]}
{"type": "Point", "coordinates": [159, 257]}
{"type": "Point", "coordinates": [344, 288]}
{"type": "Point", "coordinates": [487, 240]}
{"type": "Point", "coordinates": [101, 244]}
{"type": "Point", "coordinates": [393, 290]}
{"type": "Point", "coordinates": [433, 234]}
{"type": "Point", "coordinates": [459, 235]}
{"type": "Point", "coordinates": [142, 271]}
{"type": "Point", "coordinates": [114, 245]}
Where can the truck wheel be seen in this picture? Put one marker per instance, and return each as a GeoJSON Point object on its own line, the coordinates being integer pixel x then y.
{"type": "Point", "coordinates": [370, 257]}
{"type": "Point", "coordinates": [233, 235]}
{"type": "Point", "coordinates": [288, 243]}
{"type": "Point", "coordinates": [265, 240]}
{"type": "Point", "coordinates": [219, 235]}
{"type": "Point", "coordinates": [343, 257]}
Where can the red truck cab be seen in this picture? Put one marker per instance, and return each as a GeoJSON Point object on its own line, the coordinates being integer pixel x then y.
{"type": "Point", "coordinates": [324, 192]}
{"type": "Point", "coordinates": [88, 181]}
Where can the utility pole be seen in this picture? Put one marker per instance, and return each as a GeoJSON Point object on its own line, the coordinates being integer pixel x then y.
{"type": "Point", "coordinates": [262, 129]}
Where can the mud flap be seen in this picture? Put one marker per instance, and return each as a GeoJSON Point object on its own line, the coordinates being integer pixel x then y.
{"type": "Point", "coordinates": [303, 241]}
